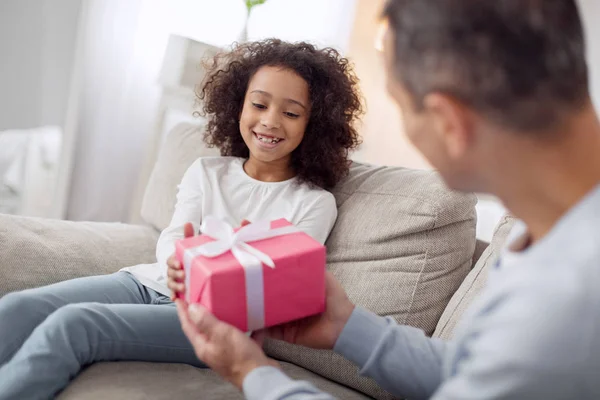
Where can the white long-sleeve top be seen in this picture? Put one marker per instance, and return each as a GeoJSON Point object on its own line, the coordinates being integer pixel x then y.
{"type": "Point", "coordinates": [219, 186]}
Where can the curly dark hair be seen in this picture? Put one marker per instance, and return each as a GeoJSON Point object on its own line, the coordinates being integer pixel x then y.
{"type": "Point", "coordinates": [322, 157]}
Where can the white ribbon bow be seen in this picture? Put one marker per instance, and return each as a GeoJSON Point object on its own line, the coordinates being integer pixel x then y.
{"type": "Point", "coordinates": [251, 259]}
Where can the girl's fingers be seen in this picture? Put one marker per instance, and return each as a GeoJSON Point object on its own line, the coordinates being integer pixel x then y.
{"type": "Point", "coordinates": [176, 287]}
{"type": "Point", "coordinates": [176, 274]}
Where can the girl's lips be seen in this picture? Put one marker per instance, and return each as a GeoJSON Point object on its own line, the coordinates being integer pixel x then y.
{"type": "Point", "coordinates": [266, 135]}
{"type": "Point", "coordinates": [264, 144]}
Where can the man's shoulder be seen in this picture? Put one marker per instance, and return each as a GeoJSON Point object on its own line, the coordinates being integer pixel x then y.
{"type": "Point", "coordinates": [550, 311]}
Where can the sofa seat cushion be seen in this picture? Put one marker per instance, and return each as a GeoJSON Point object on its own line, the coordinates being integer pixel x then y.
{"type": "Point", "coordinates": [141, 380]}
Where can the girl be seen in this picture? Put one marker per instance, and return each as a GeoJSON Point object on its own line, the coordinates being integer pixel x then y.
{"type": "Point", "coordinates": [282, 115]}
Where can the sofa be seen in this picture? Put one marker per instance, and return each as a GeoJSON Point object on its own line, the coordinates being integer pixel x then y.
{"type": "Point", "coordinates": [403, 246]}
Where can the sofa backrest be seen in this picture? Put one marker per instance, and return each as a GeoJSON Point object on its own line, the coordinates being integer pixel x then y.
{"type": "Point", "coordinates": [401, 246]}
{"type": "Point", "coordinates": [182, 146]}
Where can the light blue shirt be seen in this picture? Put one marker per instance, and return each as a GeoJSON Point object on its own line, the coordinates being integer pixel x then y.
{"type": "Point", "coordinates": [533, 333]}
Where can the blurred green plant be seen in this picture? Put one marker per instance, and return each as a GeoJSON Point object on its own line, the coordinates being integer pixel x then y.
{"type": "Point", "coordinates": [252, 3]}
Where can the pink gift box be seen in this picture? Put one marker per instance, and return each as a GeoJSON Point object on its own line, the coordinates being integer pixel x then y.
{"type": "Point", "coordinates": [293, 289]}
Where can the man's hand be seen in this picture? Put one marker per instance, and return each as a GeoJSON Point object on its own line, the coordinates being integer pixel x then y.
{"type": "Point", "coordinates": [223, 348]}
{"type": "Point", "coordinates": [319, 331]}
{"type": "Point", "coordinates": [175, 272]}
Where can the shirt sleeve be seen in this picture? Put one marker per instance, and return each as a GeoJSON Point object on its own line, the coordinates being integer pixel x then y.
{"type": "Point", "coordinates": [270, 383]}
{"type": "Point", "coordinates": [401, 359]}
{"type": "Point", "coordinates": [187, 209]}
{"type": "Point", "coordinates": [319, 218]}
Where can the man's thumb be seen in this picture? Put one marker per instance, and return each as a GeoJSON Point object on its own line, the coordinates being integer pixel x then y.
{"type": "Point", "coordinates": [188, 230]}
{"type": "Point", "coordinates": [205, 322]}
{"type": "Point", "coordinates": [260, 336]}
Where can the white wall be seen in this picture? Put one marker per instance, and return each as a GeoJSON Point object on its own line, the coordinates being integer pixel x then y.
{"type": "Point", "coordinates": [590, 10]}
{"type": "Point", "coordinates": [323, 23]}
{"type": "Point", "coordinates": [37, 42]}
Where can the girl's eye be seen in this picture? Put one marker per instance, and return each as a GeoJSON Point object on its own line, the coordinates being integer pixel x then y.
{"type": "Point", "coordinates": [291, 115]}
{"type": "Point", "coordinates": [259, 106]}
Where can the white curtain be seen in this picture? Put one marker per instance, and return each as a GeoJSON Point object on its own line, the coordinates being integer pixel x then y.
{"type": "Point", "coordinates": [125, 43]}
{"type": "Point", "coordinates": [117, 99]}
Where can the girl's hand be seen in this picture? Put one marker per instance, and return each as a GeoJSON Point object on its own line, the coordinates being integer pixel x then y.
{"type": "Point", "coordinates": [175, 272]}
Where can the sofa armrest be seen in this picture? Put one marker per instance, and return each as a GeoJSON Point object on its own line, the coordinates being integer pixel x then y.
{"type": "Point", "coordinates": [480, 246]}
{"type": "Point", "coordinates": [36, 251]}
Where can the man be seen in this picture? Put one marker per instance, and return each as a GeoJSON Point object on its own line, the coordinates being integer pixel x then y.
{"type": "Point", "coordinates": [495, 95]}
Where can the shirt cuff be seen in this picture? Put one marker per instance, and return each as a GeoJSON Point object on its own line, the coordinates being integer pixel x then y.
{"type": "Point", "coordinates": [360, 336]}
{"type": "Point", "coordinates": [263, 382]}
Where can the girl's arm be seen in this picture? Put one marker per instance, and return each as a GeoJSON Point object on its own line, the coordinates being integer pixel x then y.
{"type": "Point", "coordinates": [187, 209]}
{"type": "Point", "coordinates": [319, 217]}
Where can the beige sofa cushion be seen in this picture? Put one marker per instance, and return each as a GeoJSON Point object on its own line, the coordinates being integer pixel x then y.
{"type": "Point", "coordinates": [401, 246]}
{"type": "Point", "coordinates": [182, 146]}
{"type": "Point", "coordinates": [474, 282]}
{"type": "Point", "coordinates": [402, 243]}
{"type": "Point", "coordinates": [37, 252]}
{"type": "Point", "coordinates": [141, 381]}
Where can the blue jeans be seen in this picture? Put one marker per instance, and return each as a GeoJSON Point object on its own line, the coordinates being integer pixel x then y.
{"type": "Point", "coordinates": [48, 334]}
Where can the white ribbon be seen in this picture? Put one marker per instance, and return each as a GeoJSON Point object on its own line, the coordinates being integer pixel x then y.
{"type": "Point", "coordinates": [251, 259]}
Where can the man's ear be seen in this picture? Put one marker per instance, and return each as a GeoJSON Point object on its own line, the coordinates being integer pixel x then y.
{"type": "Point", "coordinates": [451, 122]}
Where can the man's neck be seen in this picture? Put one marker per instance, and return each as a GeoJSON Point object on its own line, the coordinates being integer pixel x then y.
{"type": "Point", "coordinates": [543, 179]}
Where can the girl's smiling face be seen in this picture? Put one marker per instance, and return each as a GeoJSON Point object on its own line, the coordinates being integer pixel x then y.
{"type": "Point", "coordinates": [275, 113]}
